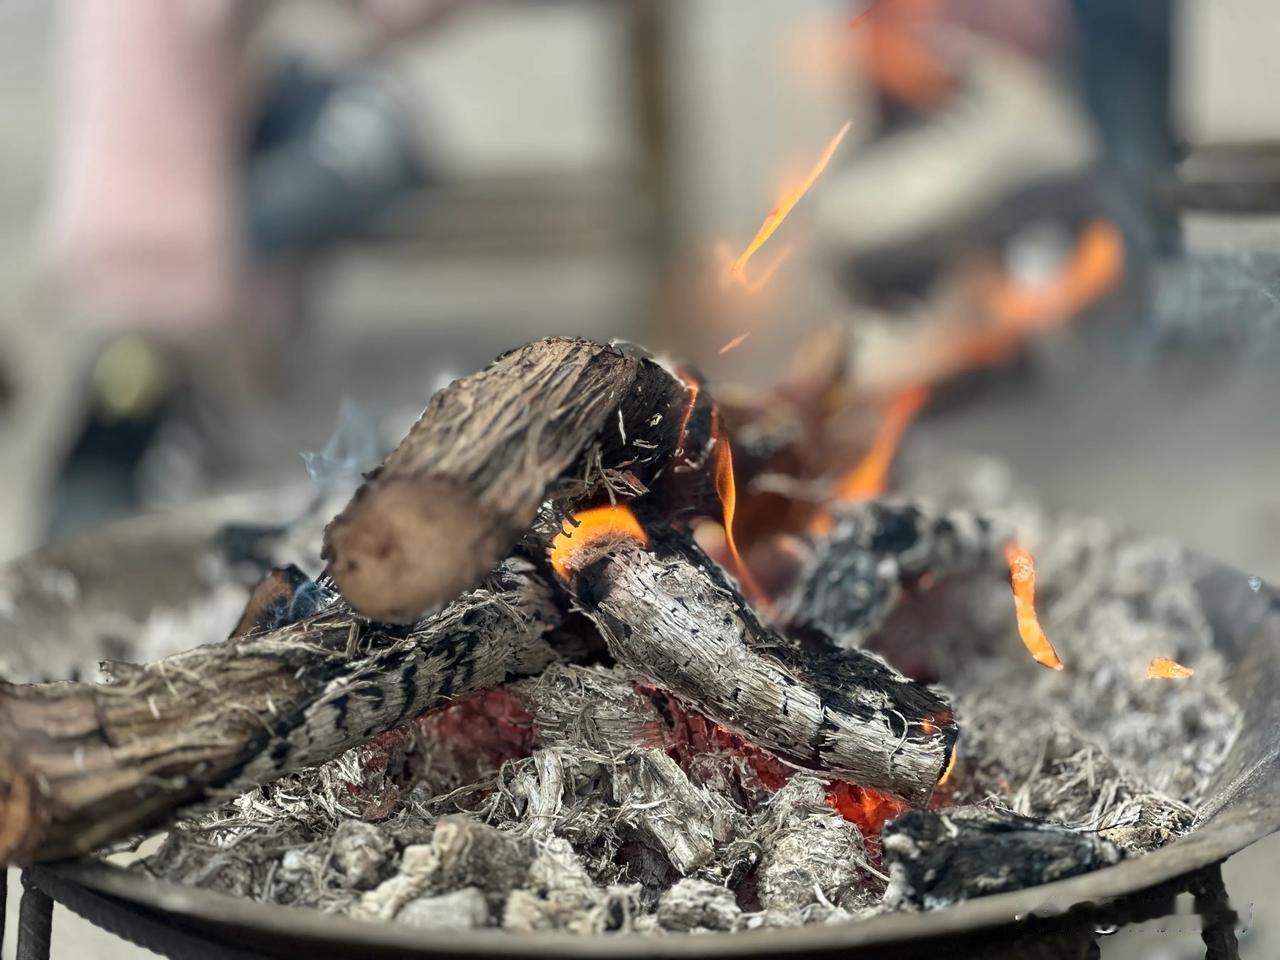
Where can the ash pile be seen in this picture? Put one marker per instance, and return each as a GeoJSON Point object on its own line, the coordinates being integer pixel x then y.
{"type": "Point", "coordinates": [594, 652]}
{"type": "Point", "coordinates": [587, 800]}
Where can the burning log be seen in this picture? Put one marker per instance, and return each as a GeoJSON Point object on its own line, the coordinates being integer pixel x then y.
{"type": "Point", "coordinates": [938, 859]}
{"type": "Point", "coordinates": [84, 764]}
{"type": "Point", "coordinates": [875, 552]}
{"type": "Point", "coordinates": [451, 500]}
{"type": "Point", "coordinates": [669, 614]}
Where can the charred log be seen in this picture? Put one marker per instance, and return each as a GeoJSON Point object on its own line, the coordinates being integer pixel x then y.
{"type": "Point", "coordinates": [875, 553]}
{"type": "Point", "coordinates": [451, 500]}
{"type": "Point", "coordinates": [670, 615]}
{"type": "Point", "coordinates": [938, 859]}
{"type": "Point", "coordinates": [84, 764]}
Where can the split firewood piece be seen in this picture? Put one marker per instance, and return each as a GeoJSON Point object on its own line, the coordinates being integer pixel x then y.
{"type": "Point", "coordinates": [84, 764]}
{"type": "Point", "coordinates": [938, 859]}
{"type": "Point", "coordinates": [451, 500]}
{"type": "Point", "coordinates": [856, 573]}
{"type": "Point", "coordinates": [667, 612]}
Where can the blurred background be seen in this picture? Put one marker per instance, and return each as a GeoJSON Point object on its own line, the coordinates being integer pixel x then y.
{"type": "Point", "coordinates": [1054, 223]}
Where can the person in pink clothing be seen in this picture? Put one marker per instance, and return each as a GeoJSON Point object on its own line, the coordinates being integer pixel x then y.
{"type": "Point", "coordinates": [183, 171]}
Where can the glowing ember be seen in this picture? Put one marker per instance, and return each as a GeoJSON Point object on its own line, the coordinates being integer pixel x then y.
{"type": "Point", "coordinates": [870, 478]}
{"type": "Point", "coordinates": [1162, 668]}
{"type": "Point", "coordinates": [1022, 572]}
{"type": "Point", "coordinates": [738, 269]}
{"type": "Point", "coordinates": [727, 491]}
{"type": "Point", "coordinates": [593, 526]}
{"type": "Point", "coordinates": [869, 809]}
{"type": "Point", "coordinates": [735, 343]}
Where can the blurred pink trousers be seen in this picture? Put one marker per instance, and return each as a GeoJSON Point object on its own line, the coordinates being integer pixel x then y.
{"type": "Point", "coordinates": [144, 213]}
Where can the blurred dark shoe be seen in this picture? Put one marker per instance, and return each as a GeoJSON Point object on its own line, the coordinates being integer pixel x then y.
{"type": "Point", "coordinates": [329, 156]}
{"type": "Point", "coordinates": [136, 445]}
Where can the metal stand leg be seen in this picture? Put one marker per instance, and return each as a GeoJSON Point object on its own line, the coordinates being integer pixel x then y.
{"type": "Point", "coordinates": [4, 898]}
{"type": "Point", "coordinates": [1217, 919]}
{"type": "Point", "coordinates": [35, 922]}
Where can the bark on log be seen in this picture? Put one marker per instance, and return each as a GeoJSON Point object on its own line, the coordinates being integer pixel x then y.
{"type": "Point", "coordinates": [877, 550]}
{"type": "Point", "coordinates": [669, 614]}
{"type": "Point", "coordinates": [451, 500]}
{"type": "Point", "coordinates": [83, 764]}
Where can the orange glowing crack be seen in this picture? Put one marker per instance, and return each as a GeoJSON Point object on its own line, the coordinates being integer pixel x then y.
{"type": "Point", "coordinates": [738, 269]}
{"type": "Point", "coordinates": [951, 765]}
{"type": "Point", "coordinates": [590, 527]}
{"type": "Point", "coordinates": [870, 478]}
{"type": "Point", "coordinates": [726, 490]}
{"type": "Point", "coordinates": [1162, 668]}
{"type": "Point", "coordinates": [735, 343]}
{"type": "Point", "coordinates": [1022, 572]}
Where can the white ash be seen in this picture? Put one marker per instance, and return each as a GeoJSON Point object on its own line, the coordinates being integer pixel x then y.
{"type": "Point", "coordinates": [812, 855]}
{"type": "Point", "coordinates": [617, 909]}
{"type": "Point", "coordinates": [360, 851]}
{"type": "Point", "coordinates": [593, 707]}
{"type": "Point", "coordinates": [698, 905]}
{"type": "Point", "coordinates": [465, 909]}
{"type": "Point", "coordinates": [606, 801]}
{"type": "Point", "coordinates": [1085, 746]}
{"type": "Point", "coordinates": [600, 830]}
{"type": "Point", "coordinates": [1098, 745]}
{"type": "Point", "coordinates": [462, 853]}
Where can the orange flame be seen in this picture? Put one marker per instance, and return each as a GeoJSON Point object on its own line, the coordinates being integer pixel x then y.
{"type": "Point", "coordinates": [1162, 668]}
{"type": "Point", "coordinates": [752, 287]}
{"type": "Point", "coordinates": [870, 477]}
{"type": "Point", "coordinates": [1022, 572]}
{"type": "Point", "coordinates": [735, 343]}
{"type": "Point", "coordinates": [727, 491]}
{"type": "Point", "coordinates": [738, 269]}
{"type": "Point", "coordinates": [589, 527]}
{"type": "Point", "coordinates": [694, 389]}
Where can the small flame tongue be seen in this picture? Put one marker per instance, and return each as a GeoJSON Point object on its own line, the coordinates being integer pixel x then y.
{"type": "Point", "coordinates": [870, 478]}
{"type": "Point", "coordinates": [737, 271]}
{"type": "Point", "coordinates": [592, 526]}
{"type": "Point", "coordinates": [1162, 668]}
{"type": "Point", "coordinates": [1022, 574]}
{"type": "Point", "coordinates": [727, 491]}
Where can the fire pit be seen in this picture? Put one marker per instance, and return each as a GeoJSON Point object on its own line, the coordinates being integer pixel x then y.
{"type": "Point", "coordinates": [523, 695]}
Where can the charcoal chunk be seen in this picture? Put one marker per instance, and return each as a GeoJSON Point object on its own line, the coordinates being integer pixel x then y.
{"type": "Point", "coordinates": [938, 859]}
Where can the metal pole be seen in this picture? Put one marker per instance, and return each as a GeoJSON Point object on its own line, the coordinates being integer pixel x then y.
{"type": "Point", "coordinates": [35, 922]}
